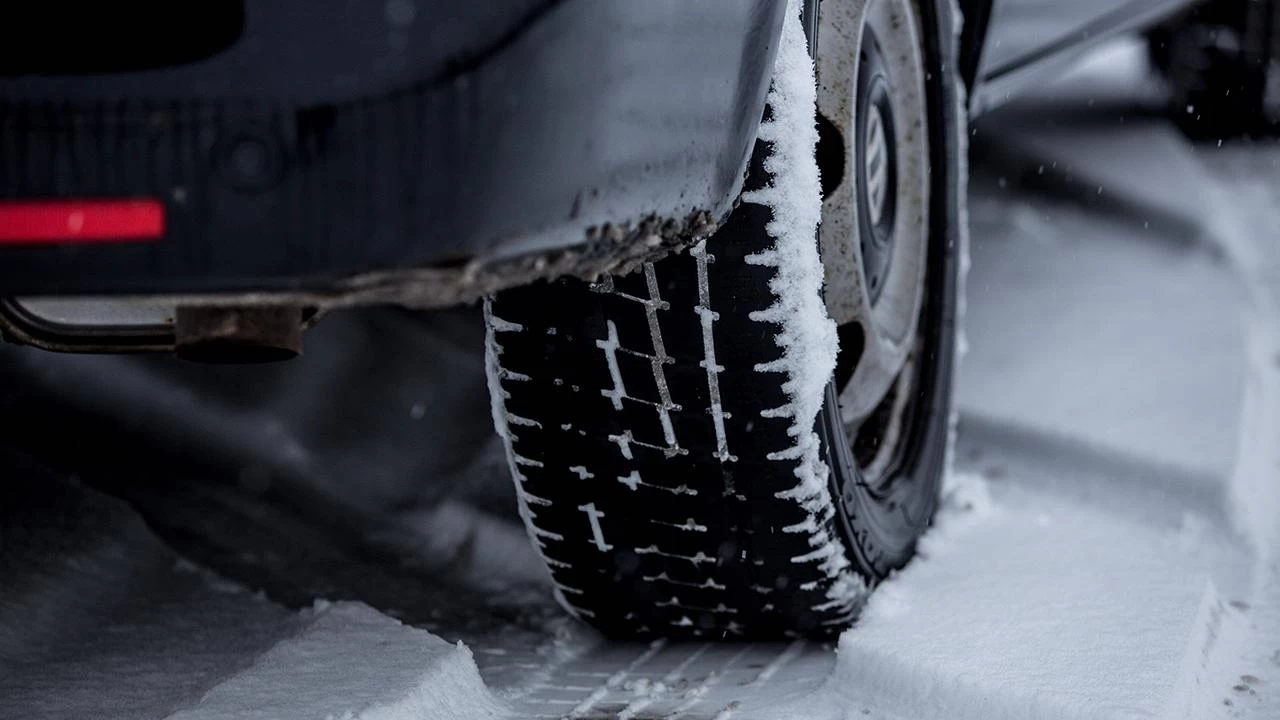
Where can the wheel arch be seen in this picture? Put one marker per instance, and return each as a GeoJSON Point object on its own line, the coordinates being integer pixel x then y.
{"type": "Point", "coordinates": [973, 35]}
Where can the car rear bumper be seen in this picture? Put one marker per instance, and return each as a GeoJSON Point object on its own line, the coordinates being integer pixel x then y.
{"type": "Point", "coordinates": [296, 169]}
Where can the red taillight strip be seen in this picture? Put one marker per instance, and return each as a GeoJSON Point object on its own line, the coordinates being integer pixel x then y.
{"type": "Point", "coordinates": [57, 222]}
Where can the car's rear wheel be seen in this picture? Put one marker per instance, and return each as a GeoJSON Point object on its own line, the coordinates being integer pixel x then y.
{"type": "Point", "coordinates": [691, 455]}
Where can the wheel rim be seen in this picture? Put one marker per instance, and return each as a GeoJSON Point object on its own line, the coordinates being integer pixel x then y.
{"type": "Point", "coordinates": [876, 286]}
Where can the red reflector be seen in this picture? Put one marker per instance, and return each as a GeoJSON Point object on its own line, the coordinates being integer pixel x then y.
{"type": "Point", "coordinates": [50, 222]}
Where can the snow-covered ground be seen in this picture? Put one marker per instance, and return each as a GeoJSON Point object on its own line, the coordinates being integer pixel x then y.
{"type": "Point", "coordinates": [1106, 549]}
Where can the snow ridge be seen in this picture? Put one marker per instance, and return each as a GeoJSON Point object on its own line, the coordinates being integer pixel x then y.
{"type": "Point", "coordinates": [808, 335]}
{"type": "Point", "coordinates": [351, 662]}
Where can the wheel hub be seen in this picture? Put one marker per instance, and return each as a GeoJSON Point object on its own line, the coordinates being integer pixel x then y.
{"type": "Point", "coordinates": [878, 176]}
{"type": "Point", "coordinates": [878, 161]}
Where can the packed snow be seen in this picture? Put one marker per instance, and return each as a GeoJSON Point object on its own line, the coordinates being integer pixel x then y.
{"type": "Point", "coordinates": [99, 619]}
{"type": "Point", "coordinates": [349, 662]}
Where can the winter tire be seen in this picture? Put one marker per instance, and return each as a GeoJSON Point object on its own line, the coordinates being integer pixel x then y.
{"type": "Point", "coordinates": [690, 455]}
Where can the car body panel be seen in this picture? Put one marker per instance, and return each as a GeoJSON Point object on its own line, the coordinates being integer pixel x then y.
{"type": "Point", "coordinates": [583, 120]}
{"type": "Point", "coordinates": [284, 51]}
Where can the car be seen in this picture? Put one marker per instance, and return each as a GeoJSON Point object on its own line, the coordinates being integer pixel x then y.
{"type": "Point", "coordinates": [720, 245]}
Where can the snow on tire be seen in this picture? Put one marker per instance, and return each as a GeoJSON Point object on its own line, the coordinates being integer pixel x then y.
{"type": "Point", "coordinates": [663, 426]}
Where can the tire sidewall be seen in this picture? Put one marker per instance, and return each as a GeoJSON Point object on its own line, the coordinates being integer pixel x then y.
{"type": "Point", "coordinates": [881, 531]}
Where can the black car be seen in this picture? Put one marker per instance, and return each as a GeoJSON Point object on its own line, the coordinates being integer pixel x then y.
{"type": "Point", "coordinates": [723, 418]}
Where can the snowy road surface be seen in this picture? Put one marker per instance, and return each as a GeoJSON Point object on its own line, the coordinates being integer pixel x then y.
{"type": "Point", "coordinates": [1107, 546]}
